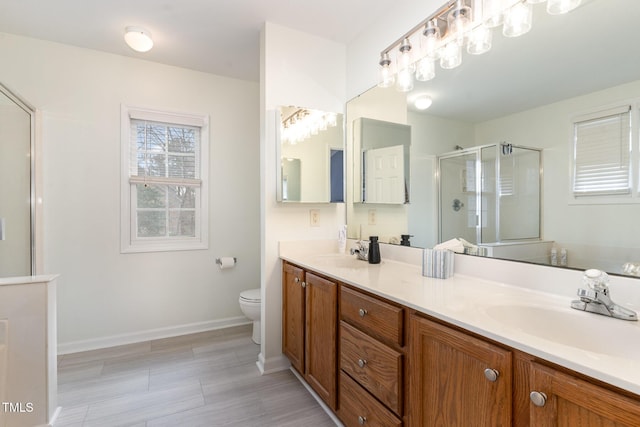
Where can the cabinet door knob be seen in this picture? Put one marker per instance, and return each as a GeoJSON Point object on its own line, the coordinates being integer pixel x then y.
{"type": "Point", "coordinates": [491, 374]}
{"type": "Point", "coordinates": [362, 363]}
{"type": "Point", "coordinates": [538, 398]}
{"type": "Point", "coordinates": [296, 280]}
{"type": "Point", "coordinates": [362, 420]}
{"type": "Point", "coordinates": [362, 312]}
{"type": "Point", "coordinates": [303, 284]}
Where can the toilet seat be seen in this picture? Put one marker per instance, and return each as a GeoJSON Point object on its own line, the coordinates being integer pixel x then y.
{"type": "Point", "coordinates": [250, 295]}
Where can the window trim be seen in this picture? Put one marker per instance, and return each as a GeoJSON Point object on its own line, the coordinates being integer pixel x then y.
{"type": "Point", "coordinates": [602, 111]}
{"type": "Point", "coordinates": [130, 244]}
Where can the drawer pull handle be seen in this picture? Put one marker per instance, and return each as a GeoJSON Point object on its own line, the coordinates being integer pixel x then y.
{"type": "Point", "coordinates": [362, 420]}
{"type": "Point", "coordinates": [296, 280]}
{"type": "Point", "coordinates": [362, 312]}
{"type": "Point", "coordinates": [491, 374]}
{"type": "Point", "coordinates": [303, 284]}
{"type": "Point", "coordinates": [362, 363]}
{"type": "Point", "coordinates": [538, 398]}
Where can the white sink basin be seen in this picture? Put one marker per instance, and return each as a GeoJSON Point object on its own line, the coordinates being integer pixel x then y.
{"type": "Point", "coordinates": [587, 331]}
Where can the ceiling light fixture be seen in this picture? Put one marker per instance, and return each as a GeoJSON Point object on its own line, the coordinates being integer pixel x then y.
{"type": "Point", "coordinates": [423, 102]}
{"type": "Point", "coordinates": [138, 39]}
{"type": "Point", "coordinates": [443, 35]}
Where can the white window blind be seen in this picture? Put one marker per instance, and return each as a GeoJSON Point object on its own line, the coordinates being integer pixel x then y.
{"type": "Point", "coordinates": [602, 154]}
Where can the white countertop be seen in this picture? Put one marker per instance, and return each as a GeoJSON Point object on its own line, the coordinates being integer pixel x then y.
{"type": "Point", "coordinates": [539, 323]}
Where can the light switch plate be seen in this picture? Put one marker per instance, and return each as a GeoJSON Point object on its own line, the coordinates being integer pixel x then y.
{"type": "Point", "coordinates": [373, 217]}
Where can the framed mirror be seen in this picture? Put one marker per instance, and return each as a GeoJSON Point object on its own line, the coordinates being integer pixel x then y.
{"type": "Point", "coordinates": [310, 155]}
{"type": "Point", "coordinates": [525, 92]}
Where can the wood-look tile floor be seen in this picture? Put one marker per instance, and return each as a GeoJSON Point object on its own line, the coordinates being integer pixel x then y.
{"type": "Point", "coordinates": [205, 379]}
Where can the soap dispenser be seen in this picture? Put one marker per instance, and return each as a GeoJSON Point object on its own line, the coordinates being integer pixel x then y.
{"type": "Point", "coordinates": [374, 250]}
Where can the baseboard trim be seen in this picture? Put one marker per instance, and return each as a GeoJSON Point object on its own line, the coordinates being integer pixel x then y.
{"type": "Point", "coordinates": [323, 405]}
{"type": "Point", "coordinates": [151, 334]}
{"type": "Point", "coordinates": [273, 364]}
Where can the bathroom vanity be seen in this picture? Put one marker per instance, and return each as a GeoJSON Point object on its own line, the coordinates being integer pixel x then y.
{"type": "Point", "coordinates": [400, 349]}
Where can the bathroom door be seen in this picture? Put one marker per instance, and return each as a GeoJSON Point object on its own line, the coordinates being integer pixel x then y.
{"type": "Point", "coordinates": [458, 216]}
{"type": "Point", "coordinates": [15, 187]}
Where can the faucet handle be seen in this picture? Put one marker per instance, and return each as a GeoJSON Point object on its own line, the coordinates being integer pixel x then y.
{"type": "Point", "coordinates": [596, 280]}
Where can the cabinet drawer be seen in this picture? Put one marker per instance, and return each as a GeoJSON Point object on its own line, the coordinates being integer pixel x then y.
{"type": "Point", "coordinates": [375, 366]}
{"type": "Point", "coordinates": [357, 407]}
{"type": "Point", "coordinates": [377, 318]}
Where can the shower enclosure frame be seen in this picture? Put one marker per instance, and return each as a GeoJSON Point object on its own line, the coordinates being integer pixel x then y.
{"type": "Point", "coordinates": [477, 152]}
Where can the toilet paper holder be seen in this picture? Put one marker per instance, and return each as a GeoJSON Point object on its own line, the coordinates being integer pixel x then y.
{"type": "Point", "coordinates": [219, 261]}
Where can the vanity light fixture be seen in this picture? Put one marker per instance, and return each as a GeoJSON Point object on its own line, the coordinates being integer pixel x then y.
{"type": "Point", "coordinates": [455, 25]}
{"type": "Point", "coordinates": [303, 123]}
{"type": "Point", "coordinates": [138, 39]}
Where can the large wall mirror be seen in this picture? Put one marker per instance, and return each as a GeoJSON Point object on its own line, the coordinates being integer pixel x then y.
{"type": "Point", "coordinates": [521, 98]}
{"type": "Point", "coordinates": [310, 155]}
{"type": "Point", "coordinates": [17, 257]}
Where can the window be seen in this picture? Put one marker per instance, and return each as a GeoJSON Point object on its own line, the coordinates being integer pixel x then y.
{"type": "Point", "coordinates": [602, 154]}
{"type": "Point", "coordinates": [164, 181]}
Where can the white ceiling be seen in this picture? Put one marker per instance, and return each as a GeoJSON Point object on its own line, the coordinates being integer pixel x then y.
{"type": "Point", "coordinates": [216, 36]}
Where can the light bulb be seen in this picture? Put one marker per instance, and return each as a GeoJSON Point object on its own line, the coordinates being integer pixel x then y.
{"type": "Point", "coordinates": [517, 20]}
{"type": "Point", "coordinates": [426, 70]}
{"type": "Point", "coordinates": [431, 40]}
{"type": "Point", "coordinates": [451, 55]}
{"type": "Point", "coordinates": [405, 59]}
{"type": "Point", "coordinates": [558, 7]}
{"type": "Point", "coordinates": [492, 12]}
{"type": "Point", "coordinates": [386, 78]}
{"type": "Point", "coordinates": [404, 82]}
{"type": "Point", "coordinates": [479, 40]}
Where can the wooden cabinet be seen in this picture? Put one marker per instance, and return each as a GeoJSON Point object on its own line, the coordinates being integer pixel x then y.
{"type": "Point", "coordinates": [309, 329]}
{"type": "Point", "coordinates": [428, 373]}
{"type": "Point", "coordinates": [456, 379]}
{"type": "Point", "coordinates": [560, 399]}
{"type": "Point", "coordinates": [371, 360]}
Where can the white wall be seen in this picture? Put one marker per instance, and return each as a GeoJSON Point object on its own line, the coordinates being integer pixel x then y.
{"type": "Point", "coordinates": [306, 71]}
{"type": "Point", "coordinates": [106, 297]}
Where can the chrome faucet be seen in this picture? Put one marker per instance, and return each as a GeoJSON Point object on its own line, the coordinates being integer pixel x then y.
{"type": "Point", "coordinates": [596, 299]}
{"type": "Point", "coordinates": [361, 250]}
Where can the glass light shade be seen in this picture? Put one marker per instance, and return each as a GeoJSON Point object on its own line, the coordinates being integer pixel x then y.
{"type": "Point", "coordinates": [404, 82]}
{"type": "Point", "coordinates": [451, 56]}
{"type": "Point", "coordinates": [386, 78]}
{"type": "Point", "coordinates": [138, 39]}
{"type": "Point", "coordinates": [431, 41]}
{"type": "Point", "coordinates": [480, 40]}
{"type": "Point", "coordinates": [492, 12]}
{"type": "Point", "coordinates": [517, 20]}
{"type": "Point", "coordinates": [423, 102]}
{"type": "Point", "coordinates": [558, 7]}
{"type": "Point", "coordinates": [405, 59]}
{"type": "Point", "coordinates": [426, 70]}
{"type": "Point", "coordinates": [459, 22]}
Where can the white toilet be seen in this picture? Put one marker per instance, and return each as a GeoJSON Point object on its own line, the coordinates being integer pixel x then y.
{"type": "Point", "coordinates": [250, 306]}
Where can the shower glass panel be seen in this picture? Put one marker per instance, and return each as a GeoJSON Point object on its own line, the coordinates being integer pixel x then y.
{"type": "Point", "coordinates": [490, 194]}
{"type": "Point", "coordinates": [16, 125]}
{"type": "Point", "coordinates": [458, 197]}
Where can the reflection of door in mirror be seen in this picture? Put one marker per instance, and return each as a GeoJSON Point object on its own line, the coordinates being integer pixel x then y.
{"type": "Point", "coordinates": [15, 187]}
{"type": "Point", "coordinates": [291, 184]}
{"type": "Point", "coordinates": [336, 175]}
{"type": "Point", "coordinates": [384, 175]}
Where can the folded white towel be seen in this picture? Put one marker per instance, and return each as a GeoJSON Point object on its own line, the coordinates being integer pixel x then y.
{"type": "Point", "coordinates": [454, 245]}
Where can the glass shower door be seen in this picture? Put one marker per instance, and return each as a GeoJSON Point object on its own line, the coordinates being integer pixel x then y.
{"type": "Point", "coordinates": [458, 197]}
